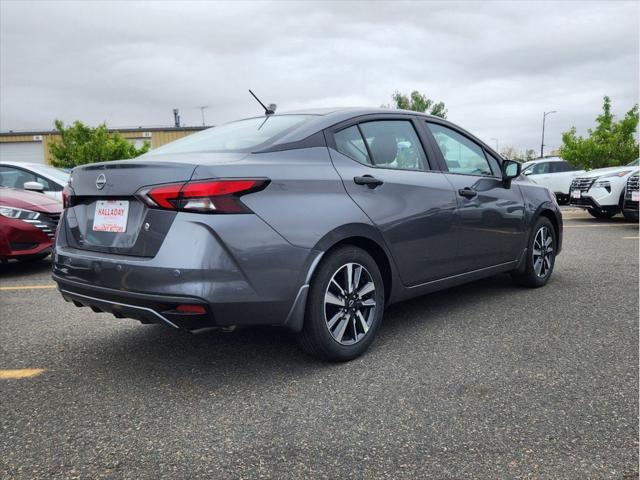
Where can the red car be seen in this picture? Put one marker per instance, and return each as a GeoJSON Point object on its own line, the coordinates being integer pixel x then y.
{"type": "Point", "coordinates": [28, 224]}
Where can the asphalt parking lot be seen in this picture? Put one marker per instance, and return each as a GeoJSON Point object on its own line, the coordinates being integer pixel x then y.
{"type": "Point", "coordinates": [486, 380]}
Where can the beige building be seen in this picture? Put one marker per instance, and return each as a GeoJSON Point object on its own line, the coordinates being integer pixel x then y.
{"type": "Point", "coordinates": [34, 146]}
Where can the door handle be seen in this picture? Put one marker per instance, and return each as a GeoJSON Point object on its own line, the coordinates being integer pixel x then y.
{"type": "Point", "coordinates": [368, 180]}
{"type": "Point", "coordinates": [467, 192]}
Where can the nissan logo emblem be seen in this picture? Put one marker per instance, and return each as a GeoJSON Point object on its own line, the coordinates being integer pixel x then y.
{"type": "Point", "coordinates": [101, 181]}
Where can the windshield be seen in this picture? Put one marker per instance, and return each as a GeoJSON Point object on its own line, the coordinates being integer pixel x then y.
{"type": "Point", "coordinates": [54, 173]}
{"type": "Point", "coordinates": [635, 163]}
{"type": "Point", "coordinates": [240, 136]}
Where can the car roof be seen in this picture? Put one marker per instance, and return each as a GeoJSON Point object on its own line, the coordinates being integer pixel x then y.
{"type": "Point", "coordinates": [15, 163]}
{"type": "Point", "coordinates": [328, 117]}
{"type": "Point", "coordinates": [540, 160]}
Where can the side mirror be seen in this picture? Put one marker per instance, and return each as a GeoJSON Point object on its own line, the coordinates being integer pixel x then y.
{"type": "Point", "coordinates": [510, 170]}
{"type": "Point", "coordinates": [33, 186]}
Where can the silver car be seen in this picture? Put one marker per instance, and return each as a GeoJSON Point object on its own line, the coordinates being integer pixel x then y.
{"type": "Point", "coordinates": [313, 221]}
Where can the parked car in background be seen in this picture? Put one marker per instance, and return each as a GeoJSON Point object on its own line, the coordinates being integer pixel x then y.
{"type": "Point", "coordinates": [631, 198]}
{"type": "Point", "coordinates": [601, 191]}
{"type": "Point", "coordinates": [553, 173]}
{"type": "Point", "coordinates": [33, 176]}
{"type": "Point", "coordinates": [313, 221]}
{"type": "Point", "coordinates": [28, 222]}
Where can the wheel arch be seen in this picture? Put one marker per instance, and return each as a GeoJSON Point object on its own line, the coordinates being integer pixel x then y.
{"type": "Point", "coordinates": [368, 238]}
{"type": "Point", "coordinates": [361, 235]}
{"type": "Point", "coordinates": [549, 213]}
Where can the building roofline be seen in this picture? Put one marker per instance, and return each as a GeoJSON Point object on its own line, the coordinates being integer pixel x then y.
{"type": "Point", "coordinates": [8, 133]}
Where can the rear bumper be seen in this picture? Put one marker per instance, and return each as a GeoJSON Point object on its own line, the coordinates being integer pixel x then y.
{"type": "Point", "coordinates": [162, 309]}
{"type": "Point", "coordinates": [236, 266]}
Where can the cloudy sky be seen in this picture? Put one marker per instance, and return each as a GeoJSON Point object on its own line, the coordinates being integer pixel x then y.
{"type": "Point", "coordinates": [496, 65]}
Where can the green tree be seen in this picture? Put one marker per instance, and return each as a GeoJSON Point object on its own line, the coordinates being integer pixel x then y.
{"type": "Point", "coordinates": [511, 153]}
{"type": "Point", "coordinates": [610, 144]}
{"type": "Point", "coordinates": [418, 102]}
{"type": "Point", "coordinates": [79, 144]}
{"type": "Point", "coordinates": [530, 154]}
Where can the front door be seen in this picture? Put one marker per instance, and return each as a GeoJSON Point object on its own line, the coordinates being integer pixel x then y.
{"type": "Point", "coordinates": [386, 172]}
{"type": "Point", "coordinates": [490, 221]}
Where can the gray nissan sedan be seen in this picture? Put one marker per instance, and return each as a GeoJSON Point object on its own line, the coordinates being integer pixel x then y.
{"type": "Point", "coordinates": [314, 221]}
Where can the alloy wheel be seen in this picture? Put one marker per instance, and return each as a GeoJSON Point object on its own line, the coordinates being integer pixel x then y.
{"type": "Point", "coordinates": [543, 252]}
{"type": "Point", "coordinates": [349, 304]}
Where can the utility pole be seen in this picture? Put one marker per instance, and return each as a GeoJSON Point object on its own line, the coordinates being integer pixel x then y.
{"type": "Point", "coordinates": [544, 118]}
{"type": "Point", "coordinates": [202, 109]}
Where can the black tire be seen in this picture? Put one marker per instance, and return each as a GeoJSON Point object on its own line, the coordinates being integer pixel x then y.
{"type": "Point", "coordinates": [316, 337]}
{"type": "Point", "coordinates": [631, 215]}
{"type": "Point", "coordinates": [600, 214]}
{"type": "Point", "coordinates": [530, 276]}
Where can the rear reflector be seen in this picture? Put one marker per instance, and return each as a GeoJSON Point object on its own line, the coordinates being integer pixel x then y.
{"type": "Point", "coordinates": [186, 308]}
{"type": "Point", "coordinates": [210, 196]}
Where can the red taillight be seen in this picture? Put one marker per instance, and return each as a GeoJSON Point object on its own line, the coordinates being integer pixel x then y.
{"type": "Point", "coordinates": [218, 188]}
{"type": "Point", "coordinates": [187, 308]}
{"type": "Point", "coordinates": [66, 193]}
{"type": "Point", "coordinates": [163, 195]}
{"type": "Point", "coordinates": [210, 196]}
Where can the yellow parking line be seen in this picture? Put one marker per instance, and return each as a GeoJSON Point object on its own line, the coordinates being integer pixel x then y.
{"type": "Point", "coordinates": [28, 287]}
{"type": "Point", "coordinates": [20, 373]}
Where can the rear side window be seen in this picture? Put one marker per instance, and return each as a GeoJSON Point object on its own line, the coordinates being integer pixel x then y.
{"type": "Point", "coordinates": [561, 167]}
{"type": "Point", "coordinates": [460, 154]}
{"type": "Point", "coordinates": [349, 142]}
{"type": "Point", "coordinates": [394, 144]}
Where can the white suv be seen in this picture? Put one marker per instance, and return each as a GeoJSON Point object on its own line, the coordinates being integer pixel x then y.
{"type": "Point", "coordinates": [601, 191]}
{"type": "Point", "coordinates": [553, 173]}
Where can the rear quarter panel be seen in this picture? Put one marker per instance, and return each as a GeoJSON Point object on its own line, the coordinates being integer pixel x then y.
{"type": "Point", "coordinates": [305, 199]}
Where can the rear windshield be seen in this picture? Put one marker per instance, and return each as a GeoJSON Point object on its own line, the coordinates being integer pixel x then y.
{"type": "Point", "coordinates": [241, 136]}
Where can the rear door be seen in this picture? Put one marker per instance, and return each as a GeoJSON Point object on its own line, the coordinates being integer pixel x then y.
{"type": "Point", "coordinates": [386, 170]}
{"type": "Point", "coordinates": [490, 222]}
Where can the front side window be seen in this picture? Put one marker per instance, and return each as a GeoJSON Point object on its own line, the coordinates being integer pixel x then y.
{"type": "Point", "coordinates": [460, 154]}
{"type": "Point", "coordinates": [15, 177]}
{"type": "Point", "coordinates": [240, 136]}
{"type": "Point", "coordinates": [540, 168]}
{"type": "Point", "coordinates": [394, 144]}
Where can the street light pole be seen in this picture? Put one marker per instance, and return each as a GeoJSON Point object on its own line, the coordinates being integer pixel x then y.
{"type": "Point", "coordinates": [544, 118]}
{"type": "Point", "coordinates": [497, 145]}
